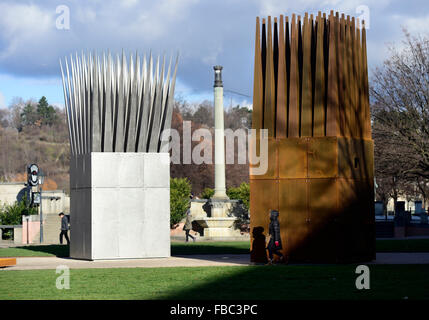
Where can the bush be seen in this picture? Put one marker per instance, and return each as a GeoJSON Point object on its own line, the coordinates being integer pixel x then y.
{"type": "Point", "coordinates": [240, 193]}
{"type": "Point", "coordinates": [241, 211]}
{"type": "Point", "coordinates": [207, 193]}
{"type": "Point", "coordinates": [180, 191]}
{"type": "Point", "coordinates": [12, 214]}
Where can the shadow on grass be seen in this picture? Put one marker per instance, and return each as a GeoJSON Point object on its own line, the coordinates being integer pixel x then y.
{"type": "Point", "coordinates": [205, 248]}
{"type": "Point", "coordinates": [269, 283]}
{"type": "Point", "coordinates": [402, 245]}
{"type": "Point", "coordinates": [57, 250]}
{"type": "Point", "coordinates": [178, 248]}
{"type": "Point", "coordinates": [305, 282]}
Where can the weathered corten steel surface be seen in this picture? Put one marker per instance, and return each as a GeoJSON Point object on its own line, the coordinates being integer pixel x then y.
{"type": "Point", "coordinates": [311, 94]}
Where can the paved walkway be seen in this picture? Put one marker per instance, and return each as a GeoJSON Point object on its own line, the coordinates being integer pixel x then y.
{"type": "Point", "coordinates": [33, 263]}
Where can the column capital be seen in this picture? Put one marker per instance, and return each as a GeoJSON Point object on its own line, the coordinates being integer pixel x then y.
{"type": "Point", "coordinates": [218, 76]}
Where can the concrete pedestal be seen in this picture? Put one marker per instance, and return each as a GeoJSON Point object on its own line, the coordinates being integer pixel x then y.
{"type": "Point", "coordinates": [120, 205]}
{"type": "Point", "coordinates": [220, 208]}
{"type": "Point", "coordinates": [219, 225]}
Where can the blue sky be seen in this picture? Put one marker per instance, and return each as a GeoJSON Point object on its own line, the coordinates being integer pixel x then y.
{"type": "Point", "coordinates": [204, 32]}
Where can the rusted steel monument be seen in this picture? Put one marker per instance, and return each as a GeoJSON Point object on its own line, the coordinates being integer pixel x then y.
{"type": "Point", "coordinates": [311, 96]}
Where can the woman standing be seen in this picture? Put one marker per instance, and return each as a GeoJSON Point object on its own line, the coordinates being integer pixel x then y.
{"type": "Point", "coordinates": [275, 243]}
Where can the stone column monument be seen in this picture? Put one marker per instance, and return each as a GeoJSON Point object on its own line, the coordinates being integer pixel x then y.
{"type": "Point", "coordinates": [220, 189]}
{"type": "Point", "coordinates": [219, 224]}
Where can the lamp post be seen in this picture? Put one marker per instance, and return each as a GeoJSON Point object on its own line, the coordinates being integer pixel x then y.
{"type": "Point", "coordinates": [41, 180]}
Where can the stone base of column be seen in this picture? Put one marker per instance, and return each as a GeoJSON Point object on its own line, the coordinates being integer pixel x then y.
{"type": "Point", "coordinates": [219, 224]}
{"type": "Point", "coordinates": [221, 196]}
{"type": "Point", "coordinates": [221, 227]}
{"type": "Point", "coordinates": [220, 207]}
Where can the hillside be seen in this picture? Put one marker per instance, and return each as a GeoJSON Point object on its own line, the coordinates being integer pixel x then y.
{"type": "Point", "coordinates": [30, 133]}
{"type": "Point", "coordinates": [46, 146]}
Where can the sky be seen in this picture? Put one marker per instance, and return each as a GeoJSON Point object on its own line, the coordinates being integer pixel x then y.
{"type": "Point", "coordinates": [34, 35]}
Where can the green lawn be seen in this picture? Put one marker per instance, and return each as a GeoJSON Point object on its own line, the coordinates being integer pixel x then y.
{"type": "Point", "coordinates": [254, 282]}
{"type": "Point", "coordinates": [221, 247]}
{"type": "Point", "coordinates": [36, 251]}
{"type": "Point", "coordinates": [177, 248]}
{"type": "Point", "coordinates": [406, 245]}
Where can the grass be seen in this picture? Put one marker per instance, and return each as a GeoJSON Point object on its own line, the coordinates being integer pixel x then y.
{"type": "Point", "coordinates": [221, 247]}
{"type": "Point", "coordinates": [177, 248]}
{"type": "Point", "coordinates": [51, 250]}
{"type": "Point", "coordinates": [405, 245]}
{"type": "Point", "coordinates": [213, 283]}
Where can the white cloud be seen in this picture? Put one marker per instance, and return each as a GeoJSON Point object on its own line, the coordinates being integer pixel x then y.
{"type": "Point", "coordinates": [128, 3]}
{"type": "Point", "coordinates": [414, 24]}
{"type": "Point", "coordinates": [276, 7]}
{"type": "Point", "coordinates": [2, 101]}
{"type": "Point", "coordinates": [205, 32]}
{"type": "Point", "coordinates": [22, 26]}
{"type": "Point", "coordinates": [159, 19]}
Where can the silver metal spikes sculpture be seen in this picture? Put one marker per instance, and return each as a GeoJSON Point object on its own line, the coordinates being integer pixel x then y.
{"type": "Point", "coordinates": [113, 105]}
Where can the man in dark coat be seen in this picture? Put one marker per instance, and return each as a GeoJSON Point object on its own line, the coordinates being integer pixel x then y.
{"type": "Point", "coordinates": [64, 228]}
{"type": "Point", "coordinates": [275, 243]}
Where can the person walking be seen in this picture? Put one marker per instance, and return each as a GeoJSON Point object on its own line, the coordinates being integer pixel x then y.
{"type": "Point", "coordinates": [275, 243]}
{"type": "Point", "coordinates": [64, 228]}
{"type": "Point", "coordinates": [188, 226]}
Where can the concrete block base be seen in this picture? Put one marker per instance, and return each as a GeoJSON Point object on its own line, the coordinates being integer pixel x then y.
{"type": "Point", "coordinates": [219, 233]}
{"type": "Point", "coordinates": [120, 205]}
{"type": "Point", "coordinates": [17, 235]}
{"type": "Point", "coordinates": [222, 227]}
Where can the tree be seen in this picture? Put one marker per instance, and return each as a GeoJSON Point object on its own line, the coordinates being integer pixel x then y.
{"type": "Point", "coordinates": [200, 176]}
{"type": "Point", "coordinates": [423, 188]}
{"type": "Point", "coordinates": [29, 115]}
{"type": "Point", "coordinates": [238, 117]}
{"type": "Point", "coordinates": [207, 193]}
{"type": "Point", "coordinates": [241, 192]}
{"type": "Point", "coordinates": [241, 212]}
{"type": "Point", "coordinates": [16, 110]}
{"type": "Point", "coordinates": [180, 191]}
{"type": "Point", "coordinates": [46, 113]}
{"type": "Point", "coordinates": [204, 114]}
{"type": "Point", "coordinates": [391, 162]}
{"type": "Point", "coordinates": [4, 118]}
{"type": "Point", "coordinates": [12, 214]}
{"type": "Point", "coordinates": [400, 94]}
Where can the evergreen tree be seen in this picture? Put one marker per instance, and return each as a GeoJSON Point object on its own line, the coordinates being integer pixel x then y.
{"type": "Point", "coordinates": [46, 112]}
{"type": "Point", "coordinates": [29, 115]}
